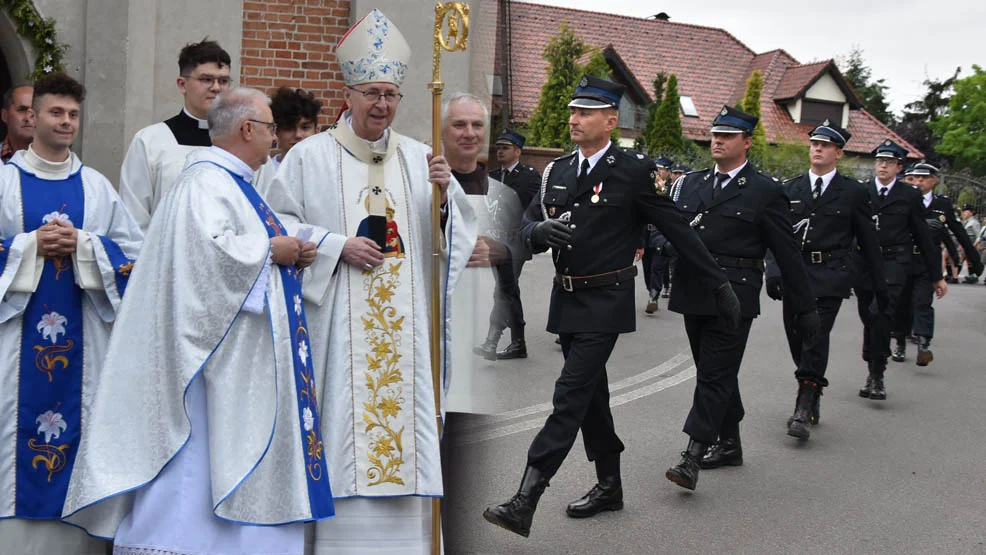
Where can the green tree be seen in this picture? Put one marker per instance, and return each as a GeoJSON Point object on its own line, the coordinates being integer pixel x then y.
{"type": "Point", "coordinates": [650, 127]}
{"type": "Point", "coordinates": [751, 105]}
{"type": "Point", "coordinates": [549, 122]}
{"type": "Point", "coordinates": [914, 125]}
{"type": "Point", "coordinates": [962, 127]}
{"type": "Point", "coordinates": [873, 94]}
{"type": "Point", "coordinates": [666, 138]}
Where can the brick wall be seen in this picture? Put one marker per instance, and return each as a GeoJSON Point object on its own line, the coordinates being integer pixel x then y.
{"type": "Point", "coordinates": [290, 43]}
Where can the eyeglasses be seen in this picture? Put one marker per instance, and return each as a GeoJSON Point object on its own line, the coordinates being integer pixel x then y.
{"type": "Point", "coordinates": [208, 80]}
{"type": "Point", "coordinates": [375, 95]}
{"type": "Point", "coordinates": [270, 124]}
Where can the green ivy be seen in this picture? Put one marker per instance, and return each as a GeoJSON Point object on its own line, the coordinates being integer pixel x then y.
{"type": "Point", "coordinates": [41, 32]}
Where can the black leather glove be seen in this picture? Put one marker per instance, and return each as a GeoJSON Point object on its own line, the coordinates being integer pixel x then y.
{"type": "Point", "coordinates": [808, 325]}
{"type": "Point", "coordinates": [551, 233]}
{"type": "Point", "coordinates": [882, 300]}
{"type": "Point", "coordinates": [728, 305]}
{"type": "Point", "coordinates": [935, 225]}
{"type": "Point", "coordinates": [668, 250]}
{"type": "Point", "coordinates": [774, 288]}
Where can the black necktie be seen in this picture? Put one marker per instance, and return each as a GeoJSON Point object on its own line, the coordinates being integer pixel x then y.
{"type": "Point", "coordinates": [584, 171]}
{"type": "Point", "coordinates": [883, 192]}
{"type": "Point", "coordinates": [717, 188]}
{"type": "Point", "coordinates": [817, 192]}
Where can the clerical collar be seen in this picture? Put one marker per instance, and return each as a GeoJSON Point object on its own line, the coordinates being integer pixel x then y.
{"type": "Point", "coordinates": [826, 179]}
{"type": "Point", "coordinates": [46, 169]}
{"type": "Point", "coordinates": [202, 123]}
{"type": "Point", "coordinates": [731, 173]}
{"type": "Point", "coordinates": [187, 130]}
{"type": "Point", "coordinates": [379, 145]}
{"type": "Point", "coordinates": [594, 158]}
{"type": "Point", "coordinates": [233, 163]}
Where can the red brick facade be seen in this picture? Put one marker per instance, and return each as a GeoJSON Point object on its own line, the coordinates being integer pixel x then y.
{"type": "Point", "coordinates": [290, 42]}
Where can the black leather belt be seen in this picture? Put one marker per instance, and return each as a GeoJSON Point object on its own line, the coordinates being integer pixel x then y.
{"type": "Point", "coordinates": [821, 257]}
{"type": "Point", "coordinates": [734, 262]}
{"type": "Point", "coordinates": [895, 249]}
{"type": "Point", "coordinates": [571, 283]}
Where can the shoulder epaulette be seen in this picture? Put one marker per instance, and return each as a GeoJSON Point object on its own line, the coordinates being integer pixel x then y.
{"type": "Point", "coordinates": [793, 179]}
{"type": "Point", "coordinates": [698, 171]}
{"type": "Point", "coordinates": [564, 156]}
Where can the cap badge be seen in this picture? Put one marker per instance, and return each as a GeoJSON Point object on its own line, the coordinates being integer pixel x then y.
{"type": "Point", "coordinates": [584, 82]}
{"type": "Point", "coordinates": [887, 143]}
{"type": "Point", "coordinates": [826, 123]}
{"type": "Point", "coordinates": [723, 112]}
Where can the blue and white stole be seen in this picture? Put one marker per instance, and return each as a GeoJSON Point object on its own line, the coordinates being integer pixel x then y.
{"type": "Point", "coordinates": [49, 407]}
{"type": "Point", "coordinates": [316, 472]}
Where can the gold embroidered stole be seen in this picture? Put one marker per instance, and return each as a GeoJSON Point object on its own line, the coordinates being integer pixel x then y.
{"type": "Point", "coordinates": [382, 320]}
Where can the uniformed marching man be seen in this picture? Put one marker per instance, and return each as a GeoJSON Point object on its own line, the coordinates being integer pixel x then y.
{"type": "Point", "coordinates": [829, 212]}
{"type": "Point", "coordinates": [739, 213]}
{"type": "Point", "coordinates": [898, 214]}
{"type": "Point", "coordinates": [526, 182]}
{"type": "Point", "coordinates": [653, 260]}
{"type": "Point", "coordinates": [919, 317]}
{"type": "Point", "coordinates": [591, 212]}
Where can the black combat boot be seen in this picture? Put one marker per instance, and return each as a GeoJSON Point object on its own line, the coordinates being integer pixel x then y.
{"type": "Point", "coordinates": [800, 424]}
{"type": "Point", "coordinates": [867, 389]}
{"type": "Point", "coordinates": [900, 350]}
{"type": "Point", "coordinates": [878, 392]}
{"type": "Point", "coordinates": [517, 514]}
{"type": "Point", "coordinates": [488, 349]}
{"type": "Point", "coordinates": [726, 452]}
{"type": "Point", "coordinates": [517, 347]}
{"type": "Point", "coordinates": [685, 473]}
{"type": "Point", "coordinates": [607, 495]}
{"type": "Point", "coordinates": [816, 408]}
{"type": "Point", "coordinates": [924, 351]}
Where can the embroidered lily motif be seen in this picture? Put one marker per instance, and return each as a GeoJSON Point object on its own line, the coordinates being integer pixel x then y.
{"type": "Point", "coordinates": [303, 352]}
{"type": "Point", "coordinates": [297, 305]}
{"type": "Point", "coordinates": [309, 419]}
{"type": "Point", "coordinates": [52, 324]}
{"type": "Point", "coordinates": [51, 424]}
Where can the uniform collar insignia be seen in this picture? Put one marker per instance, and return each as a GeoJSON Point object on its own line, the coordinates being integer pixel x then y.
{"type": "Point", "coordinates": [741, 181]}
{"type": "Point", "coordinates": [610, 159]}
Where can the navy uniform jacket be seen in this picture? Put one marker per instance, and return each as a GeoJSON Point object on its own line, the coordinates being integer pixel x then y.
{"type": "Point", "coordinates": [840, 219]}
{"type": "Point", "coordinates": [605, 235]}
{"type": "Point", "coordinates": [524, 180]}
{"type": "Point", "coordinates": [750, 215]}
{"type": "Point", "coordinates": [900, 226]}
{"type": "Point", "coordinates": [942, 210]}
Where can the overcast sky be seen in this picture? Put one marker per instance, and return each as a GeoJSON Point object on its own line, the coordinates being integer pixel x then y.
{"type": "Point", "coordinates": [903, 41]}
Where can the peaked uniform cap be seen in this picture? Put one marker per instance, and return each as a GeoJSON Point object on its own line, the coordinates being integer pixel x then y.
{"type": "Point", "coordinates": [373, 51]}
{"type": "Point", "coordinates": [732, 120]}
{"type": "Point", "coordinates": [509, 137]}
{"type": "Point", "coordinates": [593, 92]}
{"type": "Point", "coordinates": [890, 149]}
{"type": "Point", "coordinates": [830, 133]}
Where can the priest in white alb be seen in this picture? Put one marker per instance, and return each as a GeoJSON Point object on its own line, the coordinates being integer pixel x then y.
{"type": "Point", "coordinates": [204, 434]}
{"type": "Point", "coordinates": [369, 297]}
{"type": "Point", "coordinates": [67, 247]}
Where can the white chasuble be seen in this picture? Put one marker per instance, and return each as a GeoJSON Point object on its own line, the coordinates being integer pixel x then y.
{"type": "Point", "coordinates": [370, 329]}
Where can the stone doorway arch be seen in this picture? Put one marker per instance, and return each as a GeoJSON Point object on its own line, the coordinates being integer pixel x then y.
{"type": "Point", "coordinates": [16, 56]}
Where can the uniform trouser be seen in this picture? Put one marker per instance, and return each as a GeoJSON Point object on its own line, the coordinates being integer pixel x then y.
{"type": "Point", "coordinates": [918, 316]}
{"type": "Point", "coordinates": [876, 324]}
{"type": "Point", "coordinates": [581, 401]}
{"type": "Point", "coordinates": [645, 261]}
{"type": "Point", "coordinates": [658, 265]}
{"type": "Point", "coordinates": [812, 358]}
{"type": "Point", "coordinates": [717, 408]}
{"type": "Point", "coordinates": [508, 312]}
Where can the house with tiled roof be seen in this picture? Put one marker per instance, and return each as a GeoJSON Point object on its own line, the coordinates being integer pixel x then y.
{"type": "Point", "coordinates": [711, 66]}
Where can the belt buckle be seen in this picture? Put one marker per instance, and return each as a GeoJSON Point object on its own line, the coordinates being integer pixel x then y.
{"type": "Point", "coordinates": [816, 257]}
{"type": "Point", "coordinates": [566, 283]}
{"type": "Point", "coordinates": [916, 250]}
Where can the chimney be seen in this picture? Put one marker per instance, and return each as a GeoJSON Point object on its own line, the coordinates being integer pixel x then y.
{"type": "Point", "coordinates": [663, 16]}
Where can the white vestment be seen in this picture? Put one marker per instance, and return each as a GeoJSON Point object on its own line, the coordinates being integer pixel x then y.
{"type": "Point", "coordinates": [184, 318]}
{"type": "Point", "coordinates": [370, 329]}
{"type": "Point", "coordinates": [96, 275]}
{"type": "Point", "coordinates": [265, 174]}
{"type": "Point", "coordinates": [150, 167]}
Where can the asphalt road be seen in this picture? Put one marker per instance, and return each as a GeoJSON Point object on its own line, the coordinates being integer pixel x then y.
{"type": "Point", "coordinates": [907, 475]}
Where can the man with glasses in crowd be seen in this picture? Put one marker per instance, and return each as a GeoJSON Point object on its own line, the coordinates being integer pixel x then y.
{"type": "Point", "coordinates": [368, 296]}
{"type": "Point", "coordinates": [157, 153]}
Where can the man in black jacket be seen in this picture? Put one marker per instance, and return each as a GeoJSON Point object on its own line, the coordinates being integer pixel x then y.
{"type": "Point", "coordinates": [917, 314]}
{"type": "Point", "coordinates": [739, 213]}
{"type": "Point", "coordinates": [899, 217]}
{"type": "Point", "coordinates": [829, 212]}
{"type": "Point", "coordinates": [591, 213]}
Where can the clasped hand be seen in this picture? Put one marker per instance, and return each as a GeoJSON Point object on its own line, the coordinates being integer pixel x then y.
{"type": "Point", "coordinates": [291, 251]}
{"type": "Point", "coordinates": [57, 238]}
